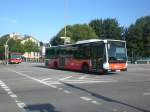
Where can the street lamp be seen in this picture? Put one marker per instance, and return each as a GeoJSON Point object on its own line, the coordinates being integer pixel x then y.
{"type": "Point", "coordinates": [7, 48]}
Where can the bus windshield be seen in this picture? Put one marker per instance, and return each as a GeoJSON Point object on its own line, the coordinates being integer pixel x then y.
{"type": "Point", "coordinates": [15, 56]}
{"type": "Point", "coordinates": [117, 51]}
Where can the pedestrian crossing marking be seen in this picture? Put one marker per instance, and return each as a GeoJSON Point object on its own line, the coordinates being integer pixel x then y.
{"type": "Point", "coordinates": [77, 80]}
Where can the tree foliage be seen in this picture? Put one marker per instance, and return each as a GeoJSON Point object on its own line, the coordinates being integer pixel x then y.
{"type": "Point", "coordinates": [75, 32]}
{"type": "Point", "coordinates": [15, 45]}
{"type": "Point", "coordinates": [138, 38]}
{"type": "Point", "coordinates": [107, 28]}
{"type": "Point", "coordinates": [31, 46]}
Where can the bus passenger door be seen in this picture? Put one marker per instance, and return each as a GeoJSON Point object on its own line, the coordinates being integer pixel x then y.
{"type": "Point", "coordinates": [96, 56]}
{"type": "Point", "coordinates": [61, 61]}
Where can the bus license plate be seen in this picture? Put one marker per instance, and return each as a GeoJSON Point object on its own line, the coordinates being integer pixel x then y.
{"type": "Point", "coordinates": [117, 70]}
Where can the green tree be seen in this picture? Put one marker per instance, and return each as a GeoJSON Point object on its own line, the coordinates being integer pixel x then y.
{"type": "Point", "coordinates": [97, 26]}
{"type": "Point", "coordinates": [56, 40]}
{"type": "Point", "coordinates": [75, 32]}
{"type": "Point", "coordinates": [138, 38]}
{"type": "Point", "coordinates": [107, 28]}
{"type": "Point", "coordinates": [30, 46]}
{"type": "Point", "coordinates": [14, 45]}
{"type": "Point", "coordinates": [82, 32]}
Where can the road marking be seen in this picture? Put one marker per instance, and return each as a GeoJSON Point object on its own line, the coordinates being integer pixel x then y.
{"type": "Point", "coordinates": [86, 98]}
{"type": "Point", "coordinates": [83, 77]}
{"type": "Point", "coordinates": [53, 82]}
{"type": "Point", "coordinates": [4, 87]}
{"type": "Point", "coordinates": [146, 94]}
{"type": "Point", "coordinates": [89, 100]}
{"type": "Point", "coordinates": [62, 79]}
{"type": "Point", "coordinates": [29, 77]}
{"type": "Point", "coordinates": [12, 95]}
{"type": "Point", "coordinates": [17, 101]}
{"type": "Point", "coordinates": [92, 80]}
{"type": "Point", "coordinates": [95, 102]}
{"type": "Point", "coordinates": [10, 92]}
{"type": "Point", "coordinates": [21, 105]}
{"type": "Point", "coordinates": [7, 89]}
{"type": "Point", "coordinates": [46, 79]}
{"type": "Point", "coordinates": [79, 82]}
{"type": "Point", "coordinates": [68, 92]}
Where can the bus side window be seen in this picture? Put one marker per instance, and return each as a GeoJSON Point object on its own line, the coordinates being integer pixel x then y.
{"type": "Point", "coordinates": [100, 51]}
{"type": "Point", "coordinates": [76, 52]}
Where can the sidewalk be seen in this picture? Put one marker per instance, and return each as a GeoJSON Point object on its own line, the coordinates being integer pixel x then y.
{"type": "Point", "coordinates": [2, 62]}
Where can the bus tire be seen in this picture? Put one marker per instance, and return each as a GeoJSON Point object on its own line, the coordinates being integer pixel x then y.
{"type": "Point", "coordinates": [85, 68]}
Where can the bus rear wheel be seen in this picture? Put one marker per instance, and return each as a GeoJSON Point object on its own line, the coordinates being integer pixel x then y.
{"type": "Point", "coordinates": [85, 68]}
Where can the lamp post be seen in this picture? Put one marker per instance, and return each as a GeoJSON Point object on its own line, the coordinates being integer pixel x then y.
{"type": "Point", "coordinates": [7, 48]}
{"type": "Point", "coordinates": [65, 16]}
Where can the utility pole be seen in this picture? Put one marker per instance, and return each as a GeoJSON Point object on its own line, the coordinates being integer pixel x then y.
{"type": "Point", "coordinates": [65, 16]}
{"type": "Point", "coordinates": [7, 48]}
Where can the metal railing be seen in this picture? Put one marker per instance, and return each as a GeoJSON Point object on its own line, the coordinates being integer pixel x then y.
{"type": "Point", "coordinates": [139, 60]}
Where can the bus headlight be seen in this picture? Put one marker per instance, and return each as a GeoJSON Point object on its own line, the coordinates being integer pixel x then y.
{"type": "Point", "coordinates": [106, 66]}
{"type": "Point", "coordinates": [126, 64]}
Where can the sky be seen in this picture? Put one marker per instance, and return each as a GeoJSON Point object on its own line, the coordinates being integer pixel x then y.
{"type": "Point", "coordinates": [43, 19]}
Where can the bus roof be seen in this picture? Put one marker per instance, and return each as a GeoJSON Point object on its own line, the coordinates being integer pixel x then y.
{"type": "Point", "coordinates": [87, 41]}
{"type": "Point", "coordinates": [96, 40]}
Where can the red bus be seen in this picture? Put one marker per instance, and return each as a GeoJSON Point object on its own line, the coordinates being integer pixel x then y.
{"type": "Point", "coordinates": [15, 57]}
{"type": "Point", "coordinates": [93, 55]}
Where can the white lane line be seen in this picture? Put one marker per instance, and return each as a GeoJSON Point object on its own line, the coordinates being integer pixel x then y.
{"type": "Point", "coordinates": [10, 92]}
{"type": "Point", "coordinates": [79, 82]}
{"type": "Point", "coordinates": [95, 102]}
{"type": "Point", "coordinates": [145, 94]}
{"type": "Point", "coordinates": [17, 101]}
{"type": "Point", "coordinates": [13, 96]}
{"type": "Point", "coordinates": [53, 83]}
{"type": "Point", "coordinates": [90, 100]}
{"type": "Point", "coordinates": [21, 105]}
{"type": "Point", "coordinates": [46, 79]}
{"type": "Point", "coordinates": [7, 89]}
{"type": "Point", "coordinates": [3, 85]}
{"type": "Point", "coordinates": [91, 80]}
{"type": "Point", "coordinates": [68, 92]}
{"type": "Point", "coordinates": [86, 98]}
{"type": "Point", "coordinates": [62, 79]}
{"type": "Point", "coordinates": [83, 77]}
{"type": "Point", "coordinates": [29, 77]}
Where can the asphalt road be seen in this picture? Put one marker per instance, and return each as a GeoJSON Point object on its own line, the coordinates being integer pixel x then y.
{"type": "Point", "coordinates": [29, 87]}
